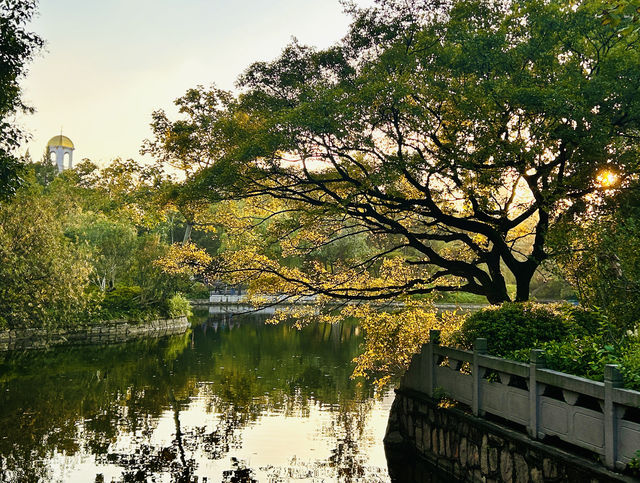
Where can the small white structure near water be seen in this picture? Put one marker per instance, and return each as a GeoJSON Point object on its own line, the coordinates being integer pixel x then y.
{"type": "Point", "coordinates": [61, 146]}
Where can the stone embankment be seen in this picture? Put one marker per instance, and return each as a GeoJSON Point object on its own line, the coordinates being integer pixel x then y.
{"type": "Point", "coordinates": [486, 419]}
{"type": "Point", "coordinates": [110, 332]}
{"type": "Point", "coordinates": [473, 449]}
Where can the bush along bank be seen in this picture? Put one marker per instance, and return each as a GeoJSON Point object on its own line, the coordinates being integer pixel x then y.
{"type": "Point", "coordinates": [575, 340]}
{"type": "Point", "coordinates": [130, 303]}
{"type": "Point", "coordinates": [122, 303]}
{"type": "Point", "coordinates": [115, 316]}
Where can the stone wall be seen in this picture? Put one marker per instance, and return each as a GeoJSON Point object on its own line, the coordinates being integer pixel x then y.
{"type": "Point", "coordinates": [105, 333]}
{"type": "Point", "coordinates": [473, 449]}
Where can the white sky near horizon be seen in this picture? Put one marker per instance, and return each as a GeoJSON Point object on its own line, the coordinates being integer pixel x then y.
{"type": "Point", "coordinates": [108, 64]}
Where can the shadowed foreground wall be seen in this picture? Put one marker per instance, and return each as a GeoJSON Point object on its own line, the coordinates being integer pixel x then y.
{"type": "Point", "coordinates": [473, 449]}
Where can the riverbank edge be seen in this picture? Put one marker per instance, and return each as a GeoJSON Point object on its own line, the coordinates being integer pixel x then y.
{"type": "Point", "coordinates": [242, 301]}
{"type": "Point", "coordinates": [108, 332]}
{"type": "Point", "coordinates": [468, 448]}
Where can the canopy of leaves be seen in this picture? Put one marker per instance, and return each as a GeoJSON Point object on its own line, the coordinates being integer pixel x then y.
{"type": "Point", "coordinates": [453, 135]}
{"type": "Point", "coordinates": [600, 255]}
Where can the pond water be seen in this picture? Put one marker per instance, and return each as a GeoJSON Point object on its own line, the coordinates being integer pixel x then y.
{"type": "Point", "coordinates": [234, 399]}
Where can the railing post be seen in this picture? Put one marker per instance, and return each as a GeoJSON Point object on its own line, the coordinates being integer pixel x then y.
{"type": "Point", "coordinates": [612, 379]}
{"type": "Point", "coordinates": [479, 347]}
{"type": "Point", "coordinates": [536, 361]}
{"type": "Point", "coordinates": [430, 364]}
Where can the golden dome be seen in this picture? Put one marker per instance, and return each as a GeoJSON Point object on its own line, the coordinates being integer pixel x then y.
{"type": "Point", "coordinates": [60, 140]}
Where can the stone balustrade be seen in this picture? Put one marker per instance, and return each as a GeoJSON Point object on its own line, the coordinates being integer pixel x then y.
{"type": "Point", "coordinates": [601, 417]}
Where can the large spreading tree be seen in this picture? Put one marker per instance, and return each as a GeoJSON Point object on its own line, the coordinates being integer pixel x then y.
{"type": "Point", "coordinates": [454, 136]}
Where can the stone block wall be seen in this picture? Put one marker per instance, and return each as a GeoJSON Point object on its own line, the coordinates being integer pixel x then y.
{"type": "Point", "coordinates": [473, 449]}
{"type": "Point", "coordinates": [105, 333]}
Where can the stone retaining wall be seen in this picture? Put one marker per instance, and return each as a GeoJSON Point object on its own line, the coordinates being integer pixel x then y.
{"type": "Point", "coordinates": [473, 449]}
{"type": "Point", "coordinates": [105, 333]}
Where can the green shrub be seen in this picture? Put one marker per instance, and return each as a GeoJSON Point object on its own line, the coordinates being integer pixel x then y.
{"type": "Point", "coordinates": [630, 361]}
{"type": "Point", "coordinates": [515, 326]}
{"type": "Point", "coordinates": [126, 302]}
{"type": "Point", "coordinates": [584, 322]}
{"type": "Point", "coordinates": [634, 465]}
{"type": "Point", "coordinates": [587, 356]}
{"type": "Point", "coordinates": [575, 340]}
{"type": "Point", "coordinates": [122, 299]}
{"type": "Point", "coordinates": [178, 305]}
{"type": "Point", "coordinates": [584, 357]}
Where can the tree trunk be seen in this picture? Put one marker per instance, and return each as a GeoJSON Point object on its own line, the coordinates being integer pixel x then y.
{"type": "Point", "coordinates": [187, 233]}
{"type": "Point", "coordinates": [523, 281]}
{"type": "Point", "coordinates": [497, 297]}
{"type": "Point", "coordinates": [522, 289]}
{"type": "Point", "coordinates": [496, 290]}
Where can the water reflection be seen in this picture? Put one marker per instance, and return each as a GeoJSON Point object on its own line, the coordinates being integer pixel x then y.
{"type": "Point", "coordinates": [232, 400]}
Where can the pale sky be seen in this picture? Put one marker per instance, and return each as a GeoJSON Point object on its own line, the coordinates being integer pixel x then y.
{"type": "Point", "coordinates": [109, 63]}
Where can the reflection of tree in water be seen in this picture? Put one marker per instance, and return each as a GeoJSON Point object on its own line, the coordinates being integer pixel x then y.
{"type": "Point", "coordinates": [67, 400]}
{"type": "Point", "coordinates": [348, 428]}
{"type": "Point", "coordinates": [86, 398]}
{"type": "Point", "coordinates": [148, 459]}
{"type": "Point", "coordinates": [238, 473]}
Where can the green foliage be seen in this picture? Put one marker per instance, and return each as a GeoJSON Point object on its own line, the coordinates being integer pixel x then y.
{"type": "Point", "coordinates": [600, 256]}
{"type": "Point", "coordinates": [178, 305]}
{"type": "Point", "coordinates": [127, 302]}
{"type": "Point", "coordinates": [82, 247]}
{"type": "Point", "coordinates": [196, 141]}
{"type": "Point", "coordinates": [43, 276]}
{"type": "Point", "coordinates": [198, 291]}
{"type": "Point", "coordinates": [587, 357]}
{"type": "Point", "coordinates": [634, 464]}
{"type": "Point", "coordinates": [515, 326]}
{"type": "Point", "coordinates": [629, 360]}
{"type": "Point", "coordinates": [624, 15]}
{"type": "Point", "coordinates": [148, 273]}
{"type": "Point", "coordinates": [575, 340]}
{"type": "Point", "coordinates": [476, 125]}
{"type": "Point", "coordinates": [17, 47]}
{"type": "Point", "coordinates": [584, 357]}
{"type": "Point", "coordinates": [44, 170]}
{"type": "Point", "coordinates": [121, 301]}
{"type": "Point", "coordinates": [11, 172]}
{"type": "Point", "coordinates": [111, 245]}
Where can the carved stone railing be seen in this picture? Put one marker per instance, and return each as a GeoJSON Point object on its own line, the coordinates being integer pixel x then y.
{"type": "Point", "coordinates": [599, 416]}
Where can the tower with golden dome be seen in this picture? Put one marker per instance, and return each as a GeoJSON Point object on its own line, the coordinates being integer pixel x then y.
{"type": "Point", "coordinates": [61, 146]}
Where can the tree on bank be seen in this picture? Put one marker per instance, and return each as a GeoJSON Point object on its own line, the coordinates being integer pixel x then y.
{"type": "Point", "coordinates": [43, 276]}
{"type": "Point", "coordinates": [189, 145]}
{"type": "Point", "coordinates": [455, 136]}
{"type": "Point", "coordinates": [17, 47]}
{"type": "Point", "coordinates": [601, 257]}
